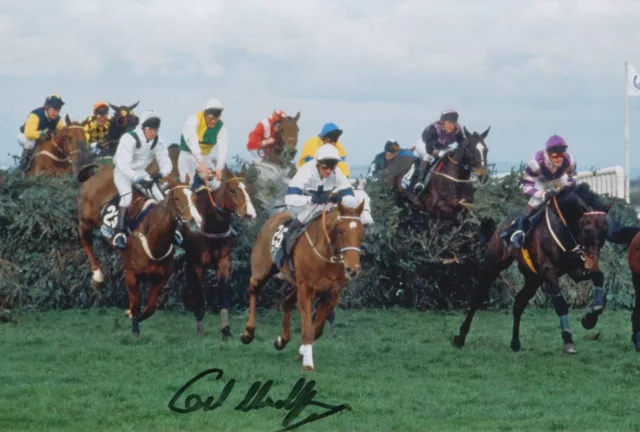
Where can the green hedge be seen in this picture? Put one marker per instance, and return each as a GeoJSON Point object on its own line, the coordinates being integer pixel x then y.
{"type": "Point", "coordinates": [42, 265]}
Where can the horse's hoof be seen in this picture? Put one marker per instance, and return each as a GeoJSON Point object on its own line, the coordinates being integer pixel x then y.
{"type": "Point", "coordinates": [128, 314]}
{"type": "Point", "coordinates": [457, 341]}
{"type": "Point", "coordinates": [226, 333]}
{"type": "Point", "coordinates": [569, 349]}
{"type": "Point", "coordinates": [246, 338]}
{"type": "Point", "coordinates": [279, 343]}
{"type": "Point", "coordinates": [308, 368]}
{"type": "Point", "coordinates": [516, 345]}
{"type": "Point", "coordinates": [589, 321]}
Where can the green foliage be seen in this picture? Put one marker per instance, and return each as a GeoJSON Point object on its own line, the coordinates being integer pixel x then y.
{"type": "Point", "coordinates": [410, 260]}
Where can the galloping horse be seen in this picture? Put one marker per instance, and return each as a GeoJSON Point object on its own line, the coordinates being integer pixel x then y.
{"type": "Point", "coordinates": [60, 154]}
{"type": "Point", "coordinates": [149, 252]}
{"type": "Point", "coordinates": [450, 190]}
{"type": "Point", "coordinates": [630, 237]}
{"type": "Point", "coordinates": [566, 239]}
{"type": "Point", "coordinates": [275, 168]}
{"type": "Point", "coordinates": [323, 259]}
{"type": "Point", "coordinates": [122, 121]}
{"type": "Point", "coordinates": [213, 242]}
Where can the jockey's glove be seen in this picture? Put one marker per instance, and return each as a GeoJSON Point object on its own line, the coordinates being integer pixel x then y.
{"type": "Point", "coordinates": [44, 132]}
{"type": "Point", "coordinates": [156, 177]}
{"type": "Point", "coordinates": [321, 198]}
{"type": "Point", "coordinates": [145, 183]}
{"type": "Point", "coordinates": [335, 198]}
{"type": "Point", "coordinates": [550, 194]}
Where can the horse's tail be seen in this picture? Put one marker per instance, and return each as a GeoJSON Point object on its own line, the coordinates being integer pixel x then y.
{"type": "Point", "coordinates": [623, 236]}
{"type": "Point", "coordinates": [487, 229]}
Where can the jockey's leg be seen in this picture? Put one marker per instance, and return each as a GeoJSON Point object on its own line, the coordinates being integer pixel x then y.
{"type": "Point", "coordinates": [419, 175]}
{"type": "Point", "coordinates": [186, 166]}
{"type": "Point", "coordinates": [518, 236]}
{"type": "Point", "coordinates": [301, 216]}
{"type": "Point", "coordinates": [27, 152]}
{"type": "Point", "coordinates": [125, 190]}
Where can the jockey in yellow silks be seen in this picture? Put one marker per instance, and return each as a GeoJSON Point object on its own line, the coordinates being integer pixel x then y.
{"type": "Point", "coordinates": [328, 135]}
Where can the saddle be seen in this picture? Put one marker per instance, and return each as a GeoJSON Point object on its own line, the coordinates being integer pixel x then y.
{"type": "Point", "coordinates": [283, 240]}
{"type": "Point", "coordinates": [137, 211]}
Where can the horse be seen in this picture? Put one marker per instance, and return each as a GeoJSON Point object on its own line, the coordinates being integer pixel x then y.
{"type": "Point", "coordinates": [450, 190]}
{"type": "Point", "coordinates": [323, 259]}
{"type": "Point", "coordinates": [566, 236]}
{"type": "Point", "coordinates": [275, 168]}
{"type": "Point", "coordinates": [61, 153]}
{"type": "Point", "coordinates": [149, 252]}
{"type": "Point", "coordinates": [212, 244]}
{"type": "Point", "coordinates": [122, 121]}
{"type": "Point", "coordinates": [630, 236]}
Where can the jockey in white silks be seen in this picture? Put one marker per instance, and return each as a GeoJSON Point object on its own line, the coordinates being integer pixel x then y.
{"type": "Point", "coordinates": [316, 183]}
{"type": "Point", "coordinates": [202, 132]}
{"type": "Point", "coordinates": [135, 151]}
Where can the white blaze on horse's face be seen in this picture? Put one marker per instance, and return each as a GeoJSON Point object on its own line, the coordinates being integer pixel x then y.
{"type": "Point", "coordinates": [480, 147]}
{"type": "Point", "coordinates": [251, 211]}
{"type": "Point", "coordinates": [192, 208]}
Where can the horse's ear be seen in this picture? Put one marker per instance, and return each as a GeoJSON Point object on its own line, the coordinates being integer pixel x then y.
{"type": "Point", "coordinates": [608, 207]}
{"type": "Point", "coordinates": [485, 133]}
{"type": "Point", "coordinates": [84, 122]}
{"type": "Point", "coordinates": [113, 107]}
{"type": "Point", "coordinates": [67, 119]}
{"type": "Point", "coordinates": [466, 131]}
{"type": "Point", "coordinates": [132, 107]}
{"type": "Point", "coordinates": [187, 180]}
{"type": "Point", "coordinates": [360, 208]}
{"type": "Point", "coordinates": [297, 116]}
{"type": "Point", "coordinates": [244, 171]}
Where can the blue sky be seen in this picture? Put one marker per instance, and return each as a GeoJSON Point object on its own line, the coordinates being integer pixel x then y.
{"type": "Point", "coordinates": [378, 69]}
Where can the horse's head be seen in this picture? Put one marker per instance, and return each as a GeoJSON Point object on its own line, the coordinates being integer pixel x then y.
{"type": "Point", "coordinates": [585, 212]}
{"type": "Point", "coordinates": [181, 201]}
{"type": "Point", "coordinates": [235, 198]}
{"type": "Point", "coordinates": [71, 142]}
{"type": "Point", "coordinates": [287, 134]}
{"type": "Point", "coordinates": [350, 230]}
{"type": "Point", "coordinates": [123, 117]}
{"type": "Point", "coordinates": [473, 153]}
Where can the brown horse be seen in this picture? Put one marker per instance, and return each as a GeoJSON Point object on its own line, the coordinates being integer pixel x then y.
{"type": "Point", "coordinates": [566, 235]}
{"type": "Point", "coordinates": [323, 259]}
{"type": "Point", "coordinates": [61, 153]}
{"type": "Point", "coordinates": [284, 149]}
{"type": "Point", "coordinates": [630, 237]}
{"type": "Point", "coordinates": [149, 252]}
{"type": "Point", "coordinates": [450, 189]}
{"type": "Point", "coordinates": [123, 120]}
{"type": "Point", "coordinates": [212, 244]}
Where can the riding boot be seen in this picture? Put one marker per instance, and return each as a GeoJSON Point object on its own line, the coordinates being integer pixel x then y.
{"type": "Point", "coordinates": [25, 159]}
{"type": "Point", "coordinates": [292, 235]}
{"type": "Point", "coordinates": [418, 176]}
{"type": "Point", "coordinates": [518, 236]}
{"type": "Point", "coordinates": [178, 239]}
{"type": "Point", "coordinates": [120, 239]}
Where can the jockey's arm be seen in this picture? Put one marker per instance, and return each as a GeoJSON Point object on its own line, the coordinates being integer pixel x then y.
{"type": "Point", "coordinates": [256, 137]}
{"type": "Point", "coordinates": [31, 131]}
{"type": "Point", "coordinates": [430, 139]}
{"type": "Point", "coordinates": [460, 137]}
{"type": "Point", "coordinates": [344, 189]}
{"type": "Point", "coordinates": [161, 154]}
{"type": "Point", "coordinates": [222, 148]}
{"type": "Point", "coordinates": [308, 151]}
{"type": "Point", "coordinates": [343, 156]}
{"type": "Point", "coordinates": [295, 196]}
{"type": "Point", "coordinates": [572, 171]}
{"type": "Point", "coordinates": [60, 124]}
{"type": "Point", "coordinates": [531, 175]}
{"type": "Point", "coordinates": [87, 129]}
{"type": "Point", "coordinates": [124, 156]}
{"type": "Point", "coordinates": [190, 133]}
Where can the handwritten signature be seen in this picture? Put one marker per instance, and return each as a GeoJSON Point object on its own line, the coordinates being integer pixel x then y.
{"type": "Point", "coordinates": [300, 396]}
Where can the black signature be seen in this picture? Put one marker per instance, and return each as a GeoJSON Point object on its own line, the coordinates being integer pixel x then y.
{"type": "Point", "coordinates": [300, 396]}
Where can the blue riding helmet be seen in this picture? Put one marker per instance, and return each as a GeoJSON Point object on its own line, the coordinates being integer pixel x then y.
{"type": "Point", "coordinates": [330, 129]}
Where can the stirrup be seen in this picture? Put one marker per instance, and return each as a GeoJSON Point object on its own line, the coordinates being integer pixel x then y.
{"type": "Point", "coordinates": [177, 237]}
{"type": "Point", "coordinates": [115, 242]}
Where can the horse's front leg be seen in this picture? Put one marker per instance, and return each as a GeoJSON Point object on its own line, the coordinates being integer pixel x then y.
{"type": "Point", "coordinates": [590, 319]}
{"type": "Point", "coordinates": [562, 310]}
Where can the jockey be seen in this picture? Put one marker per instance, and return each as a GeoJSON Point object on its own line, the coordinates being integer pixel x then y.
{"type": "Point", "coordinates": [328, 135]}
{"type": "Point", "coordinates": [317, 182]}
{"type": "Point", "coordinates": [391, 150]}
{"type": "Point", "coordinates": [40, 122]}
{"type": "Point", "coordinates": [548, 171]}
{"type": "Point", "coordinates": [202, 132]}
{"type": "Point", "coordinates": [437, 137]}
{"type": "Point", "coordinates": [263, 135]}
{"type": "Point", "coordinates": [136, 150]}
{"type": "Point", "coordinates": [97, 126]}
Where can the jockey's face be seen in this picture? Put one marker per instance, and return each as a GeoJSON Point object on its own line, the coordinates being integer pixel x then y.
{"type": "Point", "coordinates": [325, 170]}
{"type": "Point", "coordinates": [150, 133]}
{"type": "Point", "coordinates": [276, 127]}
{"type": "Point", "coordinates": [556, 158]}
{"type": "Point", "coordinates": [389, 155]}
{"type": "Point", "coordinates": [211, 120]}
{"type": "Point", "coordinates": [448, 126]}
{"type": "Point", "coordinates": [101, 115]}
{"type": "Point", "coordinates": [52, 113]}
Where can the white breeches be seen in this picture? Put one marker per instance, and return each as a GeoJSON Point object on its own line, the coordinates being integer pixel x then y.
{"type": "Point", "coordinates": [25, 143]}
{"type": "Point", "coordinates": [546, 186]}
{"type": "Point", "coordinates": [125, 187]}
{"type": "Point", "coordinates": [187, 165]}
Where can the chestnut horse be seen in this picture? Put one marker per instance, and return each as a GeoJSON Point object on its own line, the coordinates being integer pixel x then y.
{"type": "Point", "coordinates": [149, 252]}
{"type": "Point", "coordinates": [283, 150]}
{"type": "Point", "coordinates": [450, 189]}
{"type": "Point", "coordinates": [630, 237]}
{"type": "Point", "coordinates": [566, 239]}
{"type": "Point", "coordinates": [212, 244]}
{"type": "Point", "coordinates": [322, 261]}
{"type": "Point", "coordinates": [61, 153]}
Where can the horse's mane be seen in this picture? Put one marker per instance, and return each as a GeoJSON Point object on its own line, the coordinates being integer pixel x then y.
{"type": "Point", "coordinates": [584, 192]}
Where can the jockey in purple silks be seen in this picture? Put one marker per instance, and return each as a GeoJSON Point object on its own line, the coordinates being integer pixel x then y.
{"type": "Point", "coordinates": [547, 172]}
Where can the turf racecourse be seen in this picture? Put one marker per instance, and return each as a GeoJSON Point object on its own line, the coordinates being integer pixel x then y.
{"type": "Point", "coordinates": [81, 370]}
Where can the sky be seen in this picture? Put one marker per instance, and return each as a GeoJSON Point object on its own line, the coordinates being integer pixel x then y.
{"type": "Point", "coordinates": [379, 69]}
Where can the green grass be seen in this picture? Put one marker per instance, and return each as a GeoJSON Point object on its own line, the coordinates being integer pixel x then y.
{"type": "Point", "coordinates": [82, 370]}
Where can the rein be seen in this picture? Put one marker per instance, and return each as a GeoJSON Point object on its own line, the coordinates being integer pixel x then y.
{"type": "Point", "coordinates": [216, 207]}
{"type": "Point", "coordinates": [452, 178]}
{"type": "Point", "coordinates": [577, 247]}
{"type": "Point", "coordinates": [333, 259]}
{"type": "Point", "coordinates": [67, 156]}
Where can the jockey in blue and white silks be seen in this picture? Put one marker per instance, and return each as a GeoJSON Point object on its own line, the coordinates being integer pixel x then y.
{"type": "Point", "coordinates": [549, 170]}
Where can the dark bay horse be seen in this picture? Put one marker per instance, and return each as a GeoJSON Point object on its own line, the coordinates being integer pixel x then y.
{"type": "Point", "coordinates": [566, 239]}
{"type": "Point", "coordinates": [149, 251]}
{"type": "Point", "coordinates": [213, 243]}
{"type": "Point", "coordinates": [61, 153]}
{"type": "Point", "coordinates": [323, 259]}
{"type": "Point", "coordinates": [630, 237]}
{"type": "Point", "coordinates": [123, 120]}
{"type": "Point", "coordinates": [450, 189]}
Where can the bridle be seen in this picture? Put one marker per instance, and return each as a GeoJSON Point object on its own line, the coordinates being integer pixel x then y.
{"type": "Point", "coordinates": [333, 257]}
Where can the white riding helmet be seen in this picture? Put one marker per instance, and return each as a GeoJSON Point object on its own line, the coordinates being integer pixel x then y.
{"type": "Point", "coordinates": [148, 115]}
{"type": "Point", "coordinates": [328, 152]}
{"type": "Point", "coordinates": [213, 103]}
